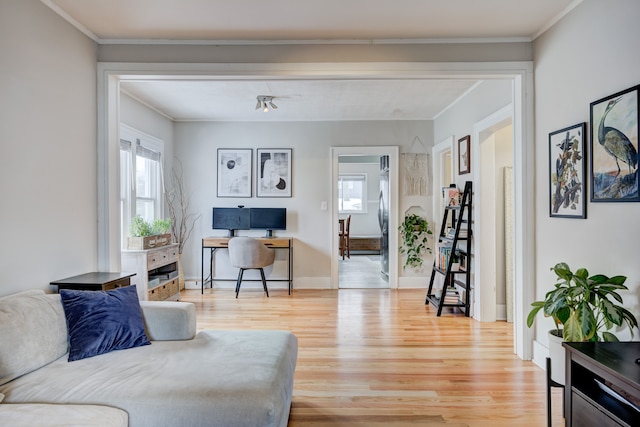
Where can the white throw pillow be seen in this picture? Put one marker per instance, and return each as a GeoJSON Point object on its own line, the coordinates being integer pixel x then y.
{"type": "Point", "coordinates": [33, 333]}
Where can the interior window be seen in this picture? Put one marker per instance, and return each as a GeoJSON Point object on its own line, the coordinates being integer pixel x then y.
{"type": "Point", "coordinates": [352, 193]}
{"type": "Point", "coordinates": [140, 178]}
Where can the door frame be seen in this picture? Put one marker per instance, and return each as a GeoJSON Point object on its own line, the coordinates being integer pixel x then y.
{"type": "Point", "coordinates": [485, 298]}
{"type": "Point", "coordinates": [519, 72]}
{"type": "Point", "coordinates": [523, 247]}
{"type": "Point", "coordinates": [394, 187]}
{"type": "Point", "coordinates": [438, 152]}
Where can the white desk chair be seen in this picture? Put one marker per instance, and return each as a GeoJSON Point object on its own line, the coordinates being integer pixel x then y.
{"type": "Point", "coordinates": [247, 253]}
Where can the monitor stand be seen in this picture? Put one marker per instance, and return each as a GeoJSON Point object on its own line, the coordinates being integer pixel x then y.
{"type": "Point", "coordinates": [269, 234]}
{"type": "Point", "coordinates": [232, 233]}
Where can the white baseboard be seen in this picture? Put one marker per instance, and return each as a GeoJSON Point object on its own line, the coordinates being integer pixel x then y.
{"type": "Point", "coordinates": [298, 283]}
{"type": "Point", "coordinates": [309, 283]}
{"type": "Point", "coordinates": [540, 354]}
{"type": "Point", "coordinates": [312, 283]}
{"type": "Point", "coordinates": [413, 282]}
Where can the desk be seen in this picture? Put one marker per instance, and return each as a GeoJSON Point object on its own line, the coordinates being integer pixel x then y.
{"type": "Point", "coordinates": [213, 243]}
{"type": "Point", "coordinates": [96, 281]}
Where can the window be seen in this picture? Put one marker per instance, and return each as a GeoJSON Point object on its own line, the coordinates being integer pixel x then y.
{"type": "Point", "coordinates": [352, 193]}
{"type": "Point", "coordinates": [140, 178]}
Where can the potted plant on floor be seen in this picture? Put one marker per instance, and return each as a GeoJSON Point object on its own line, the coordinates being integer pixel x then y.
{"type": "Point", "coordinates": [414, 232]}
{"type": "Point", "coordinates": [583, 308]}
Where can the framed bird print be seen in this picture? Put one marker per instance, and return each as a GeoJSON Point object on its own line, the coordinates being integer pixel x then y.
{"type": "Point", "coordinates": [567, 172]}
{"type": "Point", "coordinates": [464, 155]}
{"type": "Point", "coordinates": [614, 147]}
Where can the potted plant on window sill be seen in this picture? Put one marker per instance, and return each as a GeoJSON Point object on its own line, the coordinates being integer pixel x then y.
{"type": "Point", "coordinates": [414, 232]}
{"type": "Point", "coordinates": [147, 235]}
{"type": "Point", "coordinates": [587, 308]}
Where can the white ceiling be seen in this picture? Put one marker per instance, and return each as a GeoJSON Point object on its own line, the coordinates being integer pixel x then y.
{"type": "Point", "coordinates": [281, 21]}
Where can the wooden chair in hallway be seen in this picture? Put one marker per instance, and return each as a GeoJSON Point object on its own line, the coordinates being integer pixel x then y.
{"type": "Point", "coordinates": [344, 237]}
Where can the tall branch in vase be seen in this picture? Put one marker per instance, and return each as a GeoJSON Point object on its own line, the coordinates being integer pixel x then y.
{"type": "Point", "coordinates": [182, 221]}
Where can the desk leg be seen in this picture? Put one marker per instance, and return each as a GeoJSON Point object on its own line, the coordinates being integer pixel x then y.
{"type": "Point", "coordinates": [210, 277]}
{"type": "Point", "coordinates": [211, 252]}
{"type": "Point", "coordinates": [202, 271]}
{"type": "Point", "coordinates": [290, 266]}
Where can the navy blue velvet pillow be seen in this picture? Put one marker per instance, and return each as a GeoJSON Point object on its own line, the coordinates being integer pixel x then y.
{"type": "Point", "coordinates": [102, 321]}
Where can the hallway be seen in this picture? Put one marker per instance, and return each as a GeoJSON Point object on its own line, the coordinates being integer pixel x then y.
{"type": "Point", "coordinates": [361, 272]}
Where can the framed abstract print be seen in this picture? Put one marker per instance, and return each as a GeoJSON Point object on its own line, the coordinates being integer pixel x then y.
{"type": "Point", "coordinates": [234, 172]}
{"type": "Point", "coordinates": [273, 172]}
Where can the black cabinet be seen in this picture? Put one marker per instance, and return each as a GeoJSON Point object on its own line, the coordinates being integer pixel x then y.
{"type": "Point", "coordinates": [602, 384]}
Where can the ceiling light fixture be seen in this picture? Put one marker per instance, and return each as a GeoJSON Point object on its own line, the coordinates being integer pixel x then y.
{"type": "Point", "coordinates": [264, 102]}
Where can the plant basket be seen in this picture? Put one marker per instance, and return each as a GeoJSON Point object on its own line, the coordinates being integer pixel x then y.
{"type": "Point", "coordinates": [557, 355]}
{"type": "Point", "coordinates": [148, 242]}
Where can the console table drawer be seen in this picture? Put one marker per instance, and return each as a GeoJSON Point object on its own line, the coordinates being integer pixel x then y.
{"type": "Point", "coordinates": [164, 291]}
{"type": "Point", "coordinates": [160, 257]}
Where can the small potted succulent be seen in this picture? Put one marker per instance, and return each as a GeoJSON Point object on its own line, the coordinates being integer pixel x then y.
{"type": "Point", "coordinates": [583, 308]}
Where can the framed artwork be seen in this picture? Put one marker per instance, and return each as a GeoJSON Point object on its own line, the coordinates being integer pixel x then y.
{"type": "Point", "coordinates": [464, 157]}
{"type": "Point", "coordinates": [567, 172]}
{"type": "Point", "coordinates": [234, 172]}
{"type": "Point", "coordinates": [273, 172]}
{"type": "Point", "coordinates": [614, 147]}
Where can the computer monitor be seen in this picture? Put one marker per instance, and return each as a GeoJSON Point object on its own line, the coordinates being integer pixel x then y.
{"type": "Point", "coordinates": [269, 219]}
{"type": "Point", "coordinates": [231, 219]}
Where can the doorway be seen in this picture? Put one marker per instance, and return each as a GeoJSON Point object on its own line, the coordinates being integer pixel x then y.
{"type": "Point", "coordinates": [494, 237]}
{"type": "Point", "coordinates": [363, 207]}
{"type": "Point", "coordinates": [520, 73]}
{"type": "Point", "coordinates": [354, 156]}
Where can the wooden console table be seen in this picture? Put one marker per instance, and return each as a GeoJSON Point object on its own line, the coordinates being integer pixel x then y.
{"type": "Point", "coordinates": [95, 281]}
{"type": "Point", "coordinates": [211, 244]}
{"type": "Point", "coordinates": [594, 370]}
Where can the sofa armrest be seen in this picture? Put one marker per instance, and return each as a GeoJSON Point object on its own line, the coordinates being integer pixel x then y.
{"type": "Point", "coordinates": [169, 320]}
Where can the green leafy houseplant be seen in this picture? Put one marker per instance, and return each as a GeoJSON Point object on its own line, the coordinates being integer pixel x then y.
{"type": "Point", "coordinates": [414, 232]}
{"type": "Point", "coordinates": [160, 226]}
{"type": "Point", "coordinates": [140, 228]}
{"type": "Point", "coordinates": [584, 306]}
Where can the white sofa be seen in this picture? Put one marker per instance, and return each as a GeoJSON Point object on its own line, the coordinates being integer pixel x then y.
{"type": "Point", "coordinates": [214, 378]}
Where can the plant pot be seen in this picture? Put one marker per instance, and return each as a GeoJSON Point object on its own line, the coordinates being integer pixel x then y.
{"type": "Point", "coordinates": [180, 273]}
{"type": "Point", "coordinates": [148, 242]}
{"type": "Point", "coordinates": [557, 355]}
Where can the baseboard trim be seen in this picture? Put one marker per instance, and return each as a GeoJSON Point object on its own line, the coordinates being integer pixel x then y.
{"type": "Point", "coordinates": [540, 354]}
{"type": "Point", "coordinates": [413, 282]}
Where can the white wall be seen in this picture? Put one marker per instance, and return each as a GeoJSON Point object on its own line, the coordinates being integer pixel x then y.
{"type": "Point", "coordinates": [48, 151]}
{"type": "Point", "coordinates": [589, 54]}
{"type": "Point", "coordinates": [196, 145]}
{"type": "Point", "coordinates": [149, 121]}
{"type": "Point", "coordinates": [486, 98]}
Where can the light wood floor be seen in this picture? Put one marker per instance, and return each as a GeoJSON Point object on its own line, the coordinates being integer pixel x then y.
{"type": "Point", "coordinates": [374, 357]}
